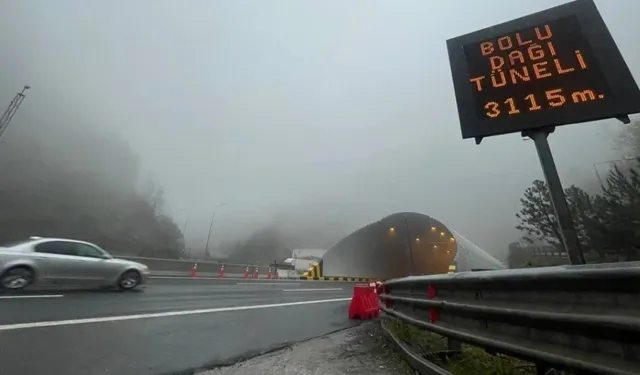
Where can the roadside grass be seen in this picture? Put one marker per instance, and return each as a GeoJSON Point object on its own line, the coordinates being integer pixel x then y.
{"type": "Point", "coordinates": [472, 360]}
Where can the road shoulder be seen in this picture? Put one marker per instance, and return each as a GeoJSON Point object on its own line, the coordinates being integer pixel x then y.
{"type": "Point", "coordinates": [361, 350]}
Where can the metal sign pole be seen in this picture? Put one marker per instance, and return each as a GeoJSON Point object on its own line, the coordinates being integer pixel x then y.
{"type": "Point", "coordinates": [558, 199]}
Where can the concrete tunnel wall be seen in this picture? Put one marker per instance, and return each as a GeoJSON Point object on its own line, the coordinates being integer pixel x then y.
{"type": "Point", "coordinates": [381, 250]}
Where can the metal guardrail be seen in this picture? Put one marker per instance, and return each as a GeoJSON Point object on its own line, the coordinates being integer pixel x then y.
{"type": "Point", "coordinates": [583, 319]}
{"type": "Point", "coordinates": [177, 267]}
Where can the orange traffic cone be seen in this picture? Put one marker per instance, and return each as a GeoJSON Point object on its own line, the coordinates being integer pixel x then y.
{"type": "Point", "coordinates": [246, 273]}
{"type": "Point", "coordinates": [221, 273]}
{"type": "Point", "coordinates": [194, 271]}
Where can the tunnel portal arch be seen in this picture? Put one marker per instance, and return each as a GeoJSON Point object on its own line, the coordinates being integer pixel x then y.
{"type": "Point", "coordinates": [403, 244]}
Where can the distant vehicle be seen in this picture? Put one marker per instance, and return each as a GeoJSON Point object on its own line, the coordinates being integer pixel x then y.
{"type": "Point", "coordinates": [64, 262]}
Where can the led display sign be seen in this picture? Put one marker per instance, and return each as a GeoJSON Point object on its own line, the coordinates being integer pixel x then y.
{"type": "Point", "coordinates": [556, 67]}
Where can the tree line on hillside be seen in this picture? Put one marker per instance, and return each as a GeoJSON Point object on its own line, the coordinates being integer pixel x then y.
{"type": "Point", "coordinates": [607, 224]}
{"type": "Point", "coordinates": [264, 246]}
{"type": "Point", "coordinates": [85, 187]}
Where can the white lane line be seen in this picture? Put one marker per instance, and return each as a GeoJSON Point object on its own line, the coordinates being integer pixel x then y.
{"type": "Point", "coordinates": [9, 327]}
{"type": "Point", "coordinates": [267, 283]}
{"type": "Point", "coordinates": [311, 290]}
{"type": "Point", "coordinates": [33, 296]}
{"type": "Point", "coordinates": [223, 279]}
{"type": "Point", "coordinates": [189, 278]}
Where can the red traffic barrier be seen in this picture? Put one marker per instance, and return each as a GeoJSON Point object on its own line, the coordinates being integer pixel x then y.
{"type": "Point", "coordinates": [275, 274]}
{"type": "Point", "coordinates": [221, 272]}
{"type": "Point", "coordinates": [246, 273]}
{"type": "Point", "coordinates": [269, 273]}
{"type": "Point", "coordinates": [255, 273]}
{"type": "Point", "coordinates": [364, 303]}
{"type": "Point", "coordinates": [194, 271]}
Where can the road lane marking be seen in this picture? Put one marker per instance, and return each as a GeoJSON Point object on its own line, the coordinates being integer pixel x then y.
{"type": "Point", "coordinates": [191, 278]}
{"type": "Point", "coordinates": [55, 323]}
{"type": "Point", "coordinates": [292, 282]}
{"type": "Point", "coordinates": [267, 283]}
{"type": "Point", "coordinates": [311, 290]}
{"type": "Point", "coordinates": [33, 296]}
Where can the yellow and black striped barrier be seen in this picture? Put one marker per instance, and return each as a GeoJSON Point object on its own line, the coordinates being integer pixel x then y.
{"type": "Point", "coordinates": [335, 278]}
{"type": "Point", "coordinates": [315, 273]}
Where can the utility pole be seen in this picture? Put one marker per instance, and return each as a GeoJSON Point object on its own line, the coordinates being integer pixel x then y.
{"type": "Point", "coordinates": [12, 109]}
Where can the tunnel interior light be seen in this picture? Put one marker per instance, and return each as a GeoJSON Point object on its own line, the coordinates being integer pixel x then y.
{"type": "Point", "coordinates": [433, 229]}
{"type": "Point", "coordinates": [435, 246]}
{"type": "Point", "coordinates": [452, 239]}
{"type": "Point", "coordinates": [418, 239]}
{"type": "Point", "coordinates": [392, 229]}
{"type": "Point", "coordinates": [441, 233]}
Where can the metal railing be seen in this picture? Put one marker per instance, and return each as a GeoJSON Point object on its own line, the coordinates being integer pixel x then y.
{"type": "Point", "coordinates": [205, 268]}
{"type": "Point", "coordinates": [582, 319]}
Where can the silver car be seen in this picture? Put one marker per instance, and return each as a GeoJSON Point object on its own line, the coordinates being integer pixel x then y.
{"type": "Point", "coordinates": [65, 262]}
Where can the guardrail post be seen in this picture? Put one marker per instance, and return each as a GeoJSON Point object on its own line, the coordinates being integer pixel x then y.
{"type": "Point", "coordinates": [452, 344]}
{"type": "Point", "coordinates": [433, 313]}
{"type": "Point", "coordinates": [384, 289]}
{"type": "Point", "coordinates": [544, 369]}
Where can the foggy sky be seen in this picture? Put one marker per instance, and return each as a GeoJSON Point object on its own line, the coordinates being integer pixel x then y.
{"type": "Point", "coordinates": [312, 113]}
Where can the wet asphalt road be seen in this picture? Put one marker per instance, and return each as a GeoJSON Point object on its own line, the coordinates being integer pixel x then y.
{"type": "Point", "coordinates": [171, 326]}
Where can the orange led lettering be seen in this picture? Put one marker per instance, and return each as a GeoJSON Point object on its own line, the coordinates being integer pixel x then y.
{"type": "Point", "coordinates": [522, 42]}
{"type": "Point", "coordinates": [583, 96]}
{"type": "Point", "coordinates": [583, 65]}
{"type": "Point", "coordinates": [513, 110]}
{"type": "Point", "coordinates": [539, 70]}
{"type": "Point", "coordinates": [534, 105]}
{"type": "Point", "coordinates": [478, 82]}
{"type": "Point", "coordinates": [493, 109]}
{"type": "Point", "coordinates": [551, 48]}
{"type": "Point", "coordinates": [486, 48]}
{"type": "Point", "coordinates": [515, 75]}
{"type": "Point", "coordinates": [515, 55]}
{"type": "Point", "coordinates": [496, 62]}
{"type": "Point", "coordinates": [547, 35]}
{"type": "Point", "coordinates": [560, 69]}
{"type": "Point", "coordinates": [555, 97]}
{"type": "Point", "coordinates": [505, 43]}
{"type": "Point", "coordinates": [535, 52]}
{"type": "Point", "coordinates": [494, 79]}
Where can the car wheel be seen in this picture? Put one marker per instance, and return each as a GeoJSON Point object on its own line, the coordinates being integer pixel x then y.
{"type": "Point", "coordinates": [16, 278]}
{"type": "Point", "coordinates": [129, 280]}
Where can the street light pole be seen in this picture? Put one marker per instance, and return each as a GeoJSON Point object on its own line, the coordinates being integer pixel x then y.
{"type": "Point", "coordinates": [206, 247]}
{"type": "Point", "coordinates": [184, 229]}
